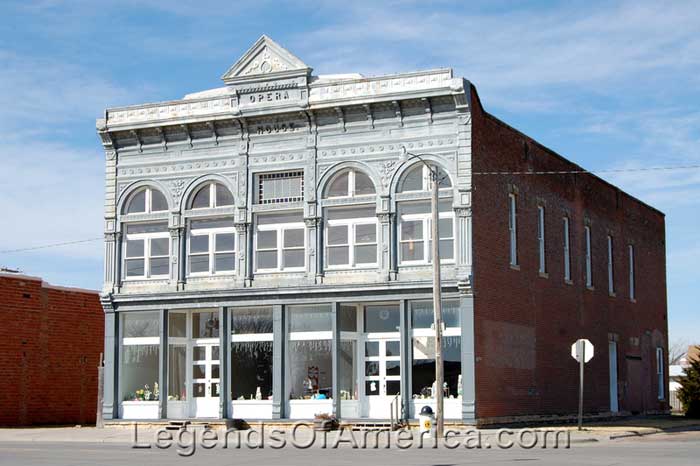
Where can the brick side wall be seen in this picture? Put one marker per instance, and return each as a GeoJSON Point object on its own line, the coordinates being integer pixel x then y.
{"type": "Point", "coordinates": [524, 322]}
{"type": "Point", "coordinates": [50, 343]}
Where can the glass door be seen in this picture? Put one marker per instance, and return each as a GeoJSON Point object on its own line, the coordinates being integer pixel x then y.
{"type": "Point", "coordinates": [205, 379]}
{"type": "Point", "coordinates": [381, 345]}
{"type": "Point", "coordinates": [382, 375]}
{"type": "Point", "coordinates": [205, 368]}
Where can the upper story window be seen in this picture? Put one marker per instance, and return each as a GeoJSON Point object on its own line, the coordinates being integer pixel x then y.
{"type": "Point", "coordinates": [567, 251]}
{"type": "Point", "coordinates": [541, 240]}
{"type": "Point", "coordinates": [418, 178]}
{"type": "Point", "coordinates": [587, 244]}
{"type": "Point", "coordinates": [210, 196]}
{"type": "Point", "coordinates": [280, 242]}
{"type": "Point", "coordinates": [513, 228]}
{"type": "Point", "coordinates": [146, 201]}
{"type": "Point", "coordinates": [611, 267]}
{"type": "Point", "coordinates": [351, 237]}
{"type": "Point", "coordinates": [146, 250]}
{"type": "Point", "coordinates": [211, 247]}
{"type": "Point", "coordinates": [631, 270]}
{"type": "Point", "coordinates": [350, 183]}
{"type": "Point", "coordinates": [415, 232]}
{"type": "Point", "coordinates": [280, 187]}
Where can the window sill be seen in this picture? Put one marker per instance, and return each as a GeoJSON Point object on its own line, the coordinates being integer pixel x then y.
{"type": "Point", "coordinates": [279, 272]}
{"type": "Point", "coordinates": [212, 275]}
{"type": "Point", "coordinates": [515, 266]}
{"type": "Point", "coordinates": [612, 294]}
{"type": "Point", "coordinates": [590, 288]}
{"type": "Point", "coordinates": [543, 274]}
{"type": "Point", "coordinates": [633, 301]}
{"type": "Point", "coordinates": [568, 282]}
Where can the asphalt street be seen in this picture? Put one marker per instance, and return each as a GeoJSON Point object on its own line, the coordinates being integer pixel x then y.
{"type": "Point", "coordinates": [682, 448]}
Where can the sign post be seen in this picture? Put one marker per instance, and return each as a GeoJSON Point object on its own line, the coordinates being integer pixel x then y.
{"type": "Point", "coordinates": [582, 351]}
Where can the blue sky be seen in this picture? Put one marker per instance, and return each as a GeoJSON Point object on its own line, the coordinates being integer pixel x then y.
{"type": "Point", "coordinates": [607, 84]}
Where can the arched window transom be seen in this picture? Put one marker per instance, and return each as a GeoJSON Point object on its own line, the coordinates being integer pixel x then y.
{"type": "Point", "coordinates": [146, 201]}
{"type": "Point", "coordinates": [418, 178]}
{"type": "Point", "coordinates": [210, 196]}
{"type": "Point", "coordinates": [350, 183]}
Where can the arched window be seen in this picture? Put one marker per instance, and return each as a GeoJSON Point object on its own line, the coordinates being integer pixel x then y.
{"type": "Point", "coordinates": [211, 242]}
{"type": "Point", "coordinates": [414, 214]}
{"type": "Point", "coordinates": [350, 183]}
{"type": "Point", "coordinates": [418, 178]}
{"type": "Point", "coordinates": [351, 228]}
{"type": "Point", "coordinates": [146, 201]}
{"type": "Point", "coordinates": [210, 196]}
{"type": "Point", "coordinates": [146, 245]}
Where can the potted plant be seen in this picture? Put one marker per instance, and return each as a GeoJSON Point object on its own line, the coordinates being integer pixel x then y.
{"type": "Point", "coordinates": [324, 422]}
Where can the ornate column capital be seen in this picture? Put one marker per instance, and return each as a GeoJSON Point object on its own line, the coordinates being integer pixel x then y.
{"type": "Point", "coordinates": [385, 217]}
{"type": "Point", "coordinates": [463, 211]}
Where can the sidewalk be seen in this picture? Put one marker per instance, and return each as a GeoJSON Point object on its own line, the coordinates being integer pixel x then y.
{"type": "Point", "coordinates": [594, 432]}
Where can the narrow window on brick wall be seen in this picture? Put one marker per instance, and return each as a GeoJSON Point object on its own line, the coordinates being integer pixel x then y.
{"type": "Point", "coordinates": [660, 372]}
{"type": "Point", "coordinates": [512, 228]}
{"type": "Point", "coordinates": [631, 267]}
{"type": "Point", "coordinates": [540, 239]}
{"type": "Point", "coordinates": [611, 267]}
{"type": "Point", "coordinates": [587, 241]}
{"type": "Point", "coordinates": [567, 251]}
{"type": "Point", "coordinates": [280, 187]}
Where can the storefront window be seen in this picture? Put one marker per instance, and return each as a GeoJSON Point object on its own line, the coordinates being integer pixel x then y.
{"type": "Point", "coordinates": [423, 370]}
{"type": "Point", "coordinates": [422, 314]}
{"type": "Point", "coordinates": [382, 318]}
{"type": "Point", "coordinates": [139, 356]}
{"type": "Point", "coordinates": [310, 352]}
{"type": "Point", "coordinates": [177, 369]}
{"type": "Point", "coordinates": [205, 324]}
{"type": "Point", "coordinates": [309, 319]}
{"type": "Point", "coordinates": [347, 370]}
{"type": "Point", "coordinates": [251, 353]}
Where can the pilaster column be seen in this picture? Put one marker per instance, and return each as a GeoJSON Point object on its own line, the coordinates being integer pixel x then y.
{"type": "Point", "coordinates": [463, 249]}
{"type": "Point", "coordinates": [406, 358]}
{"type": "Point", "coordinates": [118, 238]}
{"type": "Point", "coordinates": [279, 346]}
{"type": "Point", "coordinates": [314, 251]}
{"type": "Point", "coordinates": [110, 404]}
{"type": "Point", "coordinates": [384, 220]}
{"type": "Point", "coordinates": [178, 255]}
{"type": "Point", "coordinates": [109, 261]}
{"type": "Point", "coordinates": [163, 365]}
{"type": "Point", "coordinates": [335, 357]}
{"type": "Point", "coordinates": [224, 363]}
{"type": "Point", "coordinates": [242, 248]}
{"type": "Point", "coordinates": [466, 306]}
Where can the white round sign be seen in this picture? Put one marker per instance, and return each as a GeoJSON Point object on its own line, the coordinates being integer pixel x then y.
{"type": "Point", "coordinates": [582, 346]}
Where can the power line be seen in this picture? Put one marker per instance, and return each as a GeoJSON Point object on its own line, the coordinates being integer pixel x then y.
{"type": "Point", "coordinates": [590, 172]}
{"type": "Point", "coordinates": [54, 245]}
{"type": "Point", "coordinates": [552, 172]}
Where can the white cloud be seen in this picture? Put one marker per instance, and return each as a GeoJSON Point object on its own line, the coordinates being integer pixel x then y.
{"type": "Point", "coordinates": [51, 193]}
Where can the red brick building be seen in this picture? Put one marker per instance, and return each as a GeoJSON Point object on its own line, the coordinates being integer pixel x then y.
{"type": "Point", "coordinates": [50, 343]}
{"type": "Point", "coordinates": [528, 311]}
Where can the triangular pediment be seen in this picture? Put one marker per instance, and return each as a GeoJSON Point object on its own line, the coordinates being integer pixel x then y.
{"type": "Point", "coordinates": [266, 58]}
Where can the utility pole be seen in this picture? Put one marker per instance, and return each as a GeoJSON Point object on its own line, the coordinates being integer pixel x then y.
{"type": "Point", "coordinates": [437, 302]}
{"type": "Point", "coordinates": [437, 289]}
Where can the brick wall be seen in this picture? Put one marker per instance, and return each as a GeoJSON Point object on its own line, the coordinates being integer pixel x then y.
{"type": "Point", "coordinates": [50, 343]}
{"type": "Point", "coordinates": [525, 322]}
